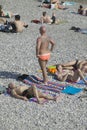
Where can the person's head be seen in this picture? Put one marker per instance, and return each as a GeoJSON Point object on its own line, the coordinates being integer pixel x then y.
{"type": "Point", "coordinates": [42, 29]}
{"type": "Point", "coordinates": [11, 86]}
{"type": "Point", "coordinates": [17, 17]}
{"type": "Point", "coordinates": [59, 67]}
{"type": "Point", "coordinates": [44, 13]}
{"type": "Point", "coordinates": [80, 6]}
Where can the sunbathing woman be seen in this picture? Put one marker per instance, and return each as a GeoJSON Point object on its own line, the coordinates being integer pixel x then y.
{"type": "Point", "coordinates": [76, 64]}
{"type": "Point", "coordinates": [7, 14]}
{"type": "Point", "coordinates": [25, 92]}
{"type": "Point", "coordinates": [72, 72]}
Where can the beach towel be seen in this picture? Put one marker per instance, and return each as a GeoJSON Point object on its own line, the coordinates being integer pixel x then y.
{"type": "Point", "coordinates": [81, 81]}
{"type": "Point", "coordinates": [83, 31]}
{"type": "Point", "coordinates": [36, 21]}
{"type": "Point", "coordinates": [51, 86]}
{"type": "Point", "coordinates": [77, 29]}
{"type": "Point", "coordinates": [69, 3]}
{"type": "Point", "coordinates": [73, 12]}
{"type": "Point", "coordinates": [71, 90]}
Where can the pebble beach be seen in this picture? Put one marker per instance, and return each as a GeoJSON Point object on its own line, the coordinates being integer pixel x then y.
{"type": "Point", "coordinates": [18, 56]}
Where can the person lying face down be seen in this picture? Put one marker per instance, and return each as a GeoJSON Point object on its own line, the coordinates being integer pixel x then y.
{"type": "Point", "coordinates": [25, 92]}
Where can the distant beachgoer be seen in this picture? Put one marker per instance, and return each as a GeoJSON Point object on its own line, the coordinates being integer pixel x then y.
{"type": "Point", "coordinates": [53, 5]}
{"type": "Point", "coordinates": [55, 1]}
{"type": "Point", "coordinates": [18, 25]}
{"type": "Point", "coordinates": [7, 14]}
{"type": "Point", "coordinates": [47, 19]}
{"type": "Point", "coordinates": [43, 51]}
{"type": "Point", "coordinates": [82, 11]}
{"type": "Point", "coordinates": [72, 71]}
{"type": "Point", "coordinates": [25, 93]}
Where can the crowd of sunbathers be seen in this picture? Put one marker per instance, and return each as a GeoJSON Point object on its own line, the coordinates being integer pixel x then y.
{"type": "Point", "coordinates": [71, 72]}
{"type": "Point", "coordinates": [13, 26]}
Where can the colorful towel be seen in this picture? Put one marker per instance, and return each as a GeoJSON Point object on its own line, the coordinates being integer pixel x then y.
{"type": "Point", "coordinates": [71, 90]}
{"type": "Point", "coordinates": [81, 81]}
{"type": "Point", "coordinates": [51, 86]}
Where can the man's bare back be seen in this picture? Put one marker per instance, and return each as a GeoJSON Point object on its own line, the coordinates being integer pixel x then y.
{"type": "Point", "coordinates": [44, 46]}
{"type": "Point", "coordinates": [19, 26]}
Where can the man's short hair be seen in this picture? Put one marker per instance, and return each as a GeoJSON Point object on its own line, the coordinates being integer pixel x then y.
{"type": "Point", "coordinates": [44, 13]}
{"type": "Point", "coordinates": [17, 17]}
{"type": "Point", "coordinates": [81, 6]}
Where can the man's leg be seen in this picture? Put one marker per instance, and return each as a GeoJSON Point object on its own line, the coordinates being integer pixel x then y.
{"type": "Point", "coordinates": [43, 68]}
{"type": "Point", "coordinates": [46, 96]}
{"type": "Point", "coordinates": [69, 63]}
{"type": "Point", "coordinates": [37, 94]}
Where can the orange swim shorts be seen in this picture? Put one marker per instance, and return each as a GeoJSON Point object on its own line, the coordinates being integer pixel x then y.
{"type": "Point", "coordinates": [44, 56]}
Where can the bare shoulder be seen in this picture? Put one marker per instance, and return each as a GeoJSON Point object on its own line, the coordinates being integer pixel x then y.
{"type": "Point", "coordinates": [39, 39]}
{"type": "Point", "coordinates": [13, 92]}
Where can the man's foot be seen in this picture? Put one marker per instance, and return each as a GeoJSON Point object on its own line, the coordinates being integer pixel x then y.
{"type": "Point", "coordinates": [41, 101]}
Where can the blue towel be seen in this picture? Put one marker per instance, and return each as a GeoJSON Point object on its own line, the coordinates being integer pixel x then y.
{"type": "Point", "coordinates": [81, 81]}
{"type": "Point", "coordinates": [71, 90]}
{"type": "Point", "coordinates": [69, 3]}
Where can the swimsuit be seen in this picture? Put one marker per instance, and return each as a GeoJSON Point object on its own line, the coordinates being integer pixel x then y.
{"type": "Point", "coordinates": [75, 66]}
{"type": "Point", "coordinates": [44, 56]}
{"type": "Point", "coordinates": [27, 94]}
{"type": "Point", "coordinates": [53, 19]}
{"type": "Point", "coordinates": [7, 14]}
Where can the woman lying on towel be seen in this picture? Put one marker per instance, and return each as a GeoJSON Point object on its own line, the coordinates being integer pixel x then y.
{"type": "Point", "coordinates": [25, 93]}
{"type": "Point", "coordinates": [7, 14]}
{"type": "Point", "coordinates": [82, 11]}
{"type": "Point", "coordinates": [72, 71]}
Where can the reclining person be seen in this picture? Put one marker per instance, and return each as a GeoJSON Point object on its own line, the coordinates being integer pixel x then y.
{"type": "Point", "coordinates": [53, 5]}
{"type": "Point", "coordinates": [72, 71]}
{"type": "Point", "coordinates": [46, 19]}
{"type": "Point", "coordinates": [25, 92]}
{"type": "Point", "coordinates": [82, 11]}
{"type": "Point", "coordinates": [6, 14]}
{"type": "Point", "coordinates": [18, 25]}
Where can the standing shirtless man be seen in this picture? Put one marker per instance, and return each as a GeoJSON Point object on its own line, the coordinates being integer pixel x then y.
{"type": "Point", "coordinates": [43, 51]}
